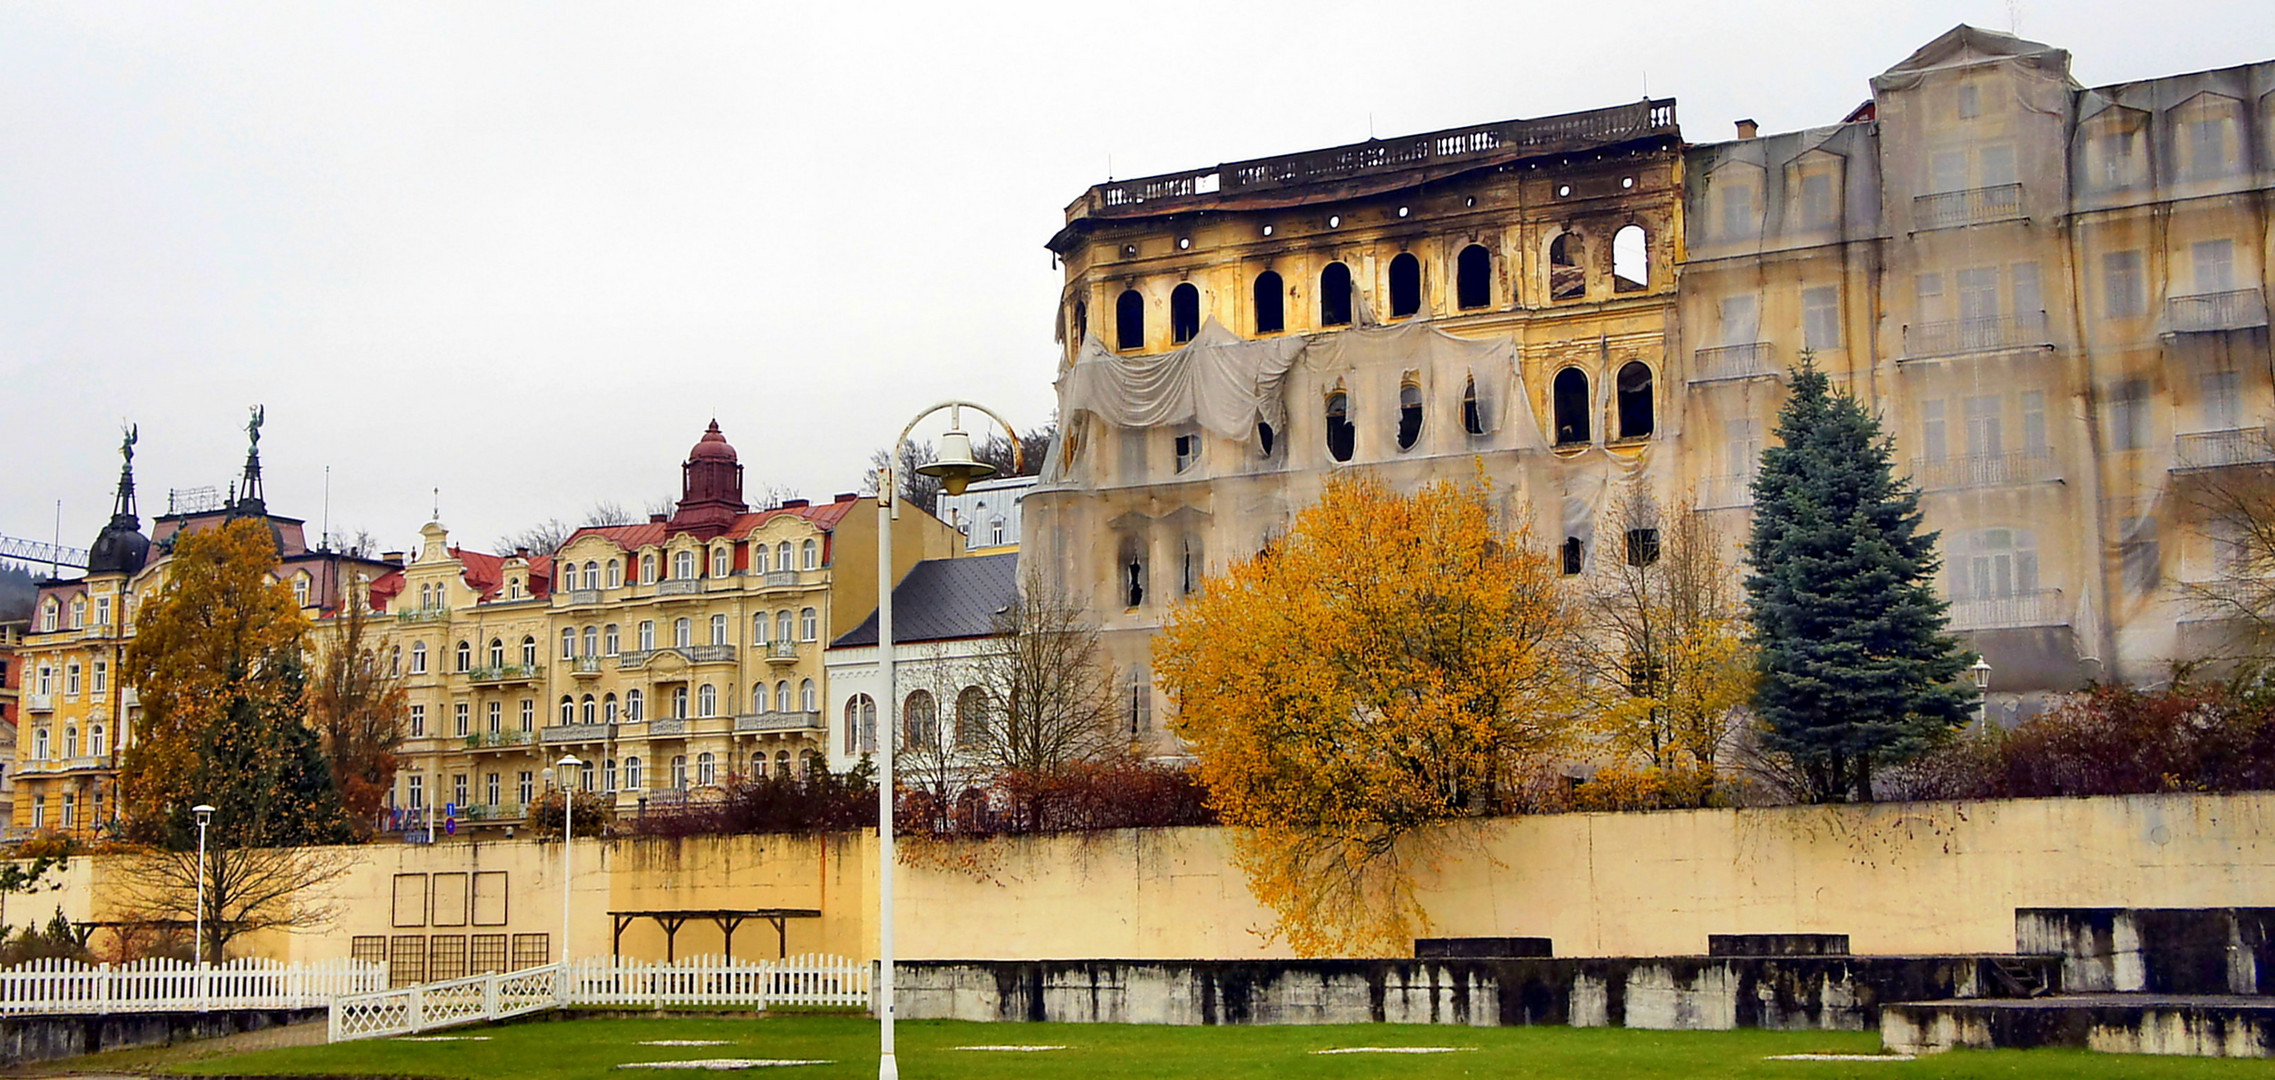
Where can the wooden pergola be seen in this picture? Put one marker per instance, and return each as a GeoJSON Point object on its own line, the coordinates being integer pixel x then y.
{"type": "Point", "coordinates": [726, 919]}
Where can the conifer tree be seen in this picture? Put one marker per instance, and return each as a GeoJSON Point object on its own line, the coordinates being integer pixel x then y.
{"type": "Point", "coordinates": [1858, 666]}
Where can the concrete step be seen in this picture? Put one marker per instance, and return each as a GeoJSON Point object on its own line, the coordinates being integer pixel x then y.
{"type": "Point", "coordinates": [2195, 1025]}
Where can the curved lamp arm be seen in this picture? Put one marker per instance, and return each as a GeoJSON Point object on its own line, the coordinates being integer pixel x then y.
{"type": "Point", "coordinates": [886, 490]}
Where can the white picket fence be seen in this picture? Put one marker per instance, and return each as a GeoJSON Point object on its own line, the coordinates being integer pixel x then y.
{"type": "Point", "coordinates": [65, 986]}
{"type": "Point", "coordinates": [602, 981]}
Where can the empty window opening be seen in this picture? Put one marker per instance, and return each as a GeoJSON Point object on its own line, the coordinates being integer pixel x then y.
{"type": "Point", "coordinates": [1335, 295]}
{"type": "Point", "coordinates": [1081, 320]}
{"type": "Point", "coordinates": [1184, 313]}
{"type": "Point", "coordinates": [1630, 260]}
{"type": "Point", "coordinates": [1473, 277]}
{"type": "Point", "coordinates": [1271, 304]}
{"type": "Point", "coordinates": [1634, 400]}
{"type": "Point", "coordinates": [1190, 566]}
{"type": "Point", "coordinates": [1472, 414]}
{"type": "Point", "coordinates": [1129, 320]}
{"type": "Point", "coordinates": [1642, 547]}
{"type": "Point", "coordinates": [1342, 437]}
{"type": "Point", "coordinates": [1409, 415]}
{"type": "Point", "coordinates": [1575, 555]}
{"type": "Point", "coordinates": [1405, 285]}
{"type": "Point", "coordinates": [1266, 438]}
{"type": "Point", "coordinates": [1188, 450]}
{"type": "Point", "coordinates": [1567, 279]}
{"type": "Point", "coordinates": [1571, 406]}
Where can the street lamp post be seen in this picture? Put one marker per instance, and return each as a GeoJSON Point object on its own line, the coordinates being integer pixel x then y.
{"type": "Point", "coordinates": [568, 842]}
{"type": "Point", "coordinates": [956, 469]}
{"type": "Point", "coordinates": [197, 945]}
{"type": "Point", "coordinates": [1982, 674]}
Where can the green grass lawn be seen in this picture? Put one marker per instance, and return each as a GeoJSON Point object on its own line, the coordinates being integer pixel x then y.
{"type": "Point", "coordinates": [562, 1050]}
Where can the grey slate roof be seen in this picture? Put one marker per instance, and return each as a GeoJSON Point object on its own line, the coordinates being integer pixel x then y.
{"type": "Point", "coordinates": [945, 599]}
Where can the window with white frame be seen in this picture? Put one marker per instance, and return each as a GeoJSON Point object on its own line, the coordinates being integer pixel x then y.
{"type": "Point", "coordinates": [809, 624]}
{"type": "Point", "coordinates": [418, 721]}
{"type": "Point", "coordinates": [812, 558]}
{"type": "Point", "coordinates": [721, 561]}
{"type": "Point", "coordinates": [101, 682]}
{"type": "Point", "coordinates": [1821, 317]}
{"type": "Point", "coordinates": [707, 701]}
{"type": "Point", "coordinates": [71, 679]}
{"type": "Point", "coordinates": [758, 629]}
{"type": "Point", "coordinates": [679, 772]}
{"type": "Point", "coordinates": [718, 630]}
{"type": "Point", "coordinates": [682, 632]}
{"type": "Point", "coordinates": [632, 773]}
{"type": "Point", "coordinates": [608, 640]}
{"type": "Point", "coordinates": [635, 706]}
{"type": "Point", "coordinates": [647, 635]}
{"type": "Point", "coordinates": [782, 556]}
{"type": "Point", "coordinates": [683, 565]}
{"type": "Point", "coordinates": [679, 703]}
{"type": "Point", "coordinates": [706, 768]}
{"type": "Point", "coordinates": [568, 643]}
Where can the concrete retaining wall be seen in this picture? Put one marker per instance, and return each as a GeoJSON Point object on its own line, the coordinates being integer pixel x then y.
{"type": "Point", "coordinates": [1683, 993]}
{"type": "Point", "coordinates": [2204, 1027]}
{"type": "Point", "coordinates": [2155, 950]}
{"type": "Point", "coordinates": [47, 1038]}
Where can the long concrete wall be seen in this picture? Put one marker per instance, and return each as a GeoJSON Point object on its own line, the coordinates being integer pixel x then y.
{"type": "Point", "coordinates": [1899, 879]}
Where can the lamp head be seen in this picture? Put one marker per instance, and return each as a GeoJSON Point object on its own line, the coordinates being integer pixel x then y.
{"type": "Point", "coordinates": [204, 813]}
{"type": "Point", "coordinates": [1982, 673]}
{"type": "Point", "coordinates": [568, 761]}
{"type": "Point", "coordinates": [956, 468]}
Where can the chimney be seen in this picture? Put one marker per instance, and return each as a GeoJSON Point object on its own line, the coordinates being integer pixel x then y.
{"type": "Point", "coordinates": [1747, 129]}
{"type": "Point", "coordinates": [395, 557]}
{"type": "Point", "coordinates": [658, 519]}
{"type": "Point", "coordinates": [795, 504]}
{"type": "Point", "coordinates": [845, 496]}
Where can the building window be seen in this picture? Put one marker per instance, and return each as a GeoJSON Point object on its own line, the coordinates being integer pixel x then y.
{"type": "Point", "coordinates": [679, 703]}
{"type": "Point", "coordinates": [70, 742]}
{"type": "Point", "coordinates": [78, 612]}
{"type": "Point", "coordinates": [920, 721]}
{"type": "Point", "coordinates": [782, 626]}
{"type": "Point", "coordinates": [758, 629]}
{"type": "Point", "coordinates": [811, 556]}
{"type": "Point", "coordinates": [647, 635]}
{"type": "Point", "coordinates": [1190, 565]}
{"type": "Point", "coordinates": [706, 769]}
{"type": "Point", "coordinates": [782, 556]}
{"type": "Point", "coordinates": [682, 632]}
{"type": "Point", "coordinates": [102, 669]}
{"type": "Point", "coordinates": [1342, 435]}
{"type": "Point", "coordinates": [679, 772]}
{"type": "Point", "coordinates": [860, 724]}
{"type": "Point", "coordinates": [1575, 555]}
{"type": "Point", "coordinates": [47, 617]}
{"type": "Point", "coordinates": [782, 696]}
{"type": "Point", "coordinates": [417, 798]}
{"type": "Point", "coordinates": [528, 713]}
{"type": "Point", "coordinates": [1630, 260]}
{"type": "Point", "coordinates": [1409, 415]}
{"type": "Point", "coordinates": [2129, 426]}
{"type": "Point", "coordinates": [1335, 295]}
{"type": "Point", "coordinates": [608, 712]}
{"type": "Point", "coordinates": [418, 721]}
{"type": "Point", "coordinates": [1129, 321]}
{"type": "Point", "coordinates": [1133, 572]}
{"type": "Point", "coordinates": [1405, 285]}
{"type": "Point", "coordinates": [1473, 277]}
{"type": "Point", "coordinates": [525, 787]}
{"type": "Point", "coordinates": [648, 569]}
{"type": "Point", "coordinates": [1472, 412]}
{"type": "Point", "coordinates": [418, 658]}
{"type": "Point", "coordinates": [1140, 702]}
{"type": "Point", "coordinates": [971, 718]}
{"type": "Point", "coordinates": [1642, 547]}
{"type": "Point", "coordinates": [809, 624]}
{"type": "Point", "coordinates": [71, 679]}
{"type": "Point", "coordinates": [635, 706]}
{"type": "Point", "coordinates": [1997, 563]}
{"type": "Point", "coordinates": [615, 573]}
{"type": "Point", "coordinates": [1821, 318]}
{"type": "Point", "coordinates": [1635, 419]}
{"type": "Point", "coordinates": [1184, 312]}
{"type": "Point", "coordinates": [458, 719]}
{"type": "Point", "coordinates": [568, 709]}
{"type": "Point", "coordinates": [40, 744]}
{"type": "Point", "coordinates": [568, 643]}
{"type": "Point", "coordinates": [721, 561]}
{"type": "Point", "coordinates": [1188, 450]}
{"type": "Point", "coordinates": [806, 699]}
{"type": "Point", "coordinates": [683, 566]}
{"type": "Point", "coordinates": [1571, 407]}
{"type": "Point", "coordinates": [98, 741]}
{"type": "Point", "coordinates": [1271, 303]}
{"type": "Point", "coordinates": [718, 630]}
{"type": "Point", "coordinates": [1567, 276]}
{"type": "Point", "coordinates": [707, 701]}
{"type": "Point", "coordinates": [2122, 292]}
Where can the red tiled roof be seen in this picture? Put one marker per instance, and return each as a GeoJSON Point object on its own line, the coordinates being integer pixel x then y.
{"type": "Point", "coordinates": [388, 587]}
{"type": "Point", "coordinates": [634, 537]}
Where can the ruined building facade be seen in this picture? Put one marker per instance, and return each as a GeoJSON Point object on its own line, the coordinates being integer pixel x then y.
{"type": "Point", "coordinates": [2053, 296]}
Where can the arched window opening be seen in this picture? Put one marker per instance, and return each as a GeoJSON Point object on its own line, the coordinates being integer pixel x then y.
{"type": "Point", "coordinates": [1184, 313]}
{"type": "Point", "coordinates": [1472, 414]}
{"type": "Point", "coordinates": [588, 708]}
{"type": "Point", "coordinates": [1634, 400]}
{"type": "Point", "coordinates": [465, 656]}
{"type": "Point", "coordinates": [810, 554]}
{"type": "Point", "coordinates": [1133, 572]}
{"type": "Point", "coordinates": [782, 696]}
{"type": "Point", "coordinates": [1630, 260]}
{"type": "Point", "coordinates": [971, 717]}
{"type": "Point", "coordinates": [497, 653]}
{"type": "Point", "coordinates": [1342, 437]}
{"type": "Point", "coordinates": [1405, 285]}
{"type": "Point", "coordinates": [1271, 303]}
{"type": "Point", "coordinates": [1129, 321]}
{"type": "Point", "coordinates": [1567, 278]}
{"type": "Point", "coordinates": [1335, 295]}
{"type": "Point", "coordinates": [1266, 438]}
{"type": "Point", "coordinates": [1409, 415]}
{"type": "Point", "coordinates": [568, 709]}
{"type": "Point", "coordinates": [1081, 320]}
{"type": "Point", "coordinates": [920, 720]}
{"type": "Point", "coordinates": [1473, 277]}
{"type": "Point", "coordinates": [806, 699]}
{"type": "Point", "coordinates": [635, 710]}
{"type": "Point", "coordinates": [1571, 407]}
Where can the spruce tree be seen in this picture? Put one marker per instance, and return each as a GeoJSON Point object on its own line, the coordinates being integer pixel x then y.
{"type": "Point", "coordinates": [1858, 666]}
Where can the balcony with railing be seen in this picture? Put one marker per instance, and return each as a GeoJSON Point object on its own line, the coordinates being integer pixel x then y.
{"type": "Point", "coordinates": [2212, 313]}
{"type": "Point", "coordinates": [576, 733]}
{"type": "Point", "coordinates": [781, 579]}
{"type": "Point", "coordinates": [1752, 360]}
{"type": "Point", "coordinates": [73, 763]}
{"type": "Point", "coordinates": [634, 659]}
{"type": "Point", "coordinates": [2014, 611]}
{"type": "Point", "coordinates": [1989, 333]}
{"type": "Point", "coordinates": [709, 654]}
{"type": "Point", "coordinates": [667, 727]}
{"type": "Point", "coordinates": [782, 651]}
{"type": "Point", "coordinates": [498, 740]}
{"type": "Point", "coordinates": [1985, 470]}
{"type": "Point", "coordinates": [39, 702]}
{"type": "Point", "coordinates": [585, 667]}
{"type": "Point", "coordinates": [423, 615]}
{"type": "Point", "coordinates": [1726, 492]}
{"type": "Point", "coordinates": [680, 587]}
{"type": "Point", "coordinates": [582, 596]}
{"type": "Point", "coordinates": [778, 721]}
{"type": "Point", "coordinates": [506, 673]}
{"type": "Point", "coordinates": [1974, 206]}
{"type": "Point", "coordinates": [2221, 449]}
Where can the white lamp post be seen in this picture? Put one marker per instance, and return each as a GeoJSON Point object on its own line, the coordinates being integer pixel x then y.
{"type": "Point", "coordinates": [197, 945]}
{"type": "Point", "coordinates": [956, 469]}
{"type": "Point", "coordinates": [1982, 674]}
{"type": "Point", "coordinates": [568, 842]}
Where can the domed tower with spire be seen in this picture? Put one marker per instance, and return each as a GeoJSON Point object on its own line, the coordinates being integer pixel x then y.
{"type": "Point", "coordinates": [711, 487]}
{"type": "Point", "coordinates": [121, 548]}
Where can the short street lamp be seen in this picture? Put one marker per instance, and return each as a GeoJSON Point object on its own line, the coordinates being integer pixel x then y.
{"type": "Point", "coordinates": [956, 469]}
{"type": "Point", "coordinates": [568, 841]}
{"type": "Point", "coordinates": [1982, 674]}
{"type": "Point", "coordinates": [197, 946]}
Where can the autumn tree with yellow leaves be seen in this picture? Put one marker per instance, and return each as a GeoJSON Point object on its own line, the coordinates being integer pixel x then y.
{"type": "Point", "coordinates": [1665, 652]}
{"type": "Point", "coordinates": [1392, 664]}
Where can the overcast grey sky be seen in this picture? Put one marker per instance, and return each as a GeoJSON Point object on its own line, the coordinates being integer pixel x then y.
{"type": "Point", "coordinates": [524, 252]}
